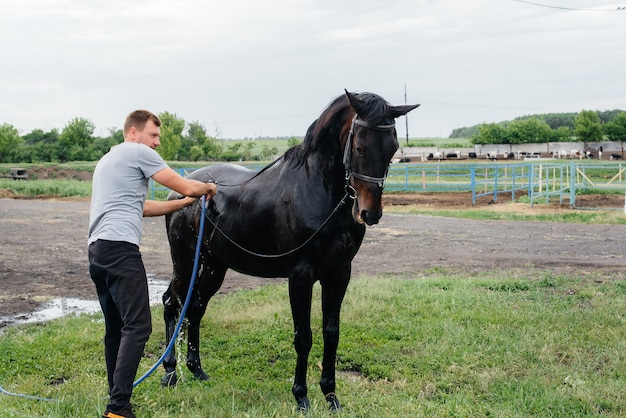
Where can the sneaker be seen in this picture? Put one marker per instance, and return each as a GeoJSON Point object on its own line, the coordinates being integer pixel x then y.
{"type": "Point", "coordinates": [126, 412]}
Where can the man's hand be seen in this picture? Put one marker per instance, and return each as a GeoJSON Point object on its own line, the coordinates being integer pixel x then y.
{"type": "Point", "coordinates": [212, 189]}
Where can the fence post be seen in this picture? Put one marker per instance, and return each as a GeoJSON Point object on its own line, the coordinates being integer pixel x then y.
{"type": "Point", "coordinates": [514, 174]}
{"type": "Point", "coordinates": [531, 183]}
{"type": "Point", "coordinates": [473, 184]}
{"type": "Point", "coordinates": [572, 185]}
{"type": "Point", "coordinates": [495, 184]}
{"type": "Point", "coordinates": [406, 178]}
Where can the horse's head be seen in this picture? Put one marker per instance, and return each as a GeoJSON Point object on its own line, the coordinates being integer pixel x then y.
{"type": "Point", "coordinates": [370, 143]}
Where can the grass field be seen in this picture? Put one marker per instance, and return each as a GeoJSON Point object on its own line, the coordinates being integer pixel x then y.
{"type": "Point", "coordinates": [436, 345]}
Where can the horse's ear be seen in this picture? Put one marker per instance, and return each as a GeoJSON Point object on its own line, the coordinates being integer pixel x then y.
{"type": "Point", "coordinates": [402, 110]}
{"type": "Point", "coordinates": [354, 101]}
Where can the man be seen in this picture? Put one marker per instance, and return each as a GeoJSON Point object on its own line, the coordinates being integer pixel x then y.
{"type": "Point", "coordinates": [118, 202]}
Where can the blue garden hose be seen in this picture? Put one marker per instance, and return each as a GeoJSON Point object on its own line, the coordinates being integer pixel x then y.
{"type": "Point", "coordinates": [21, 395]}
{"type": "Point", "coordinates": [192, 282]}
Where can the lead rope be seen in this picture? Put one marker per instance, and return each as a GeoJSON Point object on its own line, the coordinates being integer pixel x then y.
{"type": "Point", "coordinates": [192, 282]}
{"type": "Point", "coordinates": [349, 194]}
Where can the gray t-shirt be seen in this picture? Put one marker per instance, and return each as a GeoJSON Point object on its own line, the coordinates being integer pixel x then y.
{"type": "Point", "coordinates": [119, 189]}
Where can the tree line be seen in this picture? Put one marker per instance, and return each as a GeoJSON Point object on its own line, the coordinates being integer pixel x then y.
{"type": "Point", "coordinates": [585, 126]}
{"type": "Point", "coordinates": [189, 141]}
{"type": "Point", "coordinates": [180, 141]}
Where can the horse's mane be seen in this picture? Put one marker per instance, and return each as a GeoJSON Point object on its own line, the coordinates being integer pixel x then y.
{"type": "Point", "coordinates": [330, 123]}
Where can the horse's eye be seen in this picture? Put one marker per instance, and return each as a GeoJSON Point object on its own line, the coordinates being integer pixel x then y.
{"type": "Point", "coordinates": [359, 150]}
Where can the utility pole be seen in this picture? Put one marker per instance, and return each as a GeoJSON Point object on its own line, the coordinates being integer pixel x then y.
{"type": "Point", "coordinates": [406, 118]}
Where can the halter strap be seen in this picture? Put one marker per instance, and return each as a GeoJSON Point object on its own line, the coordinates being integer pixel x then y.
{"type": "Point", "coordinates": [347, 152]}
{"type": "Point", "coordinates": [376, 127]}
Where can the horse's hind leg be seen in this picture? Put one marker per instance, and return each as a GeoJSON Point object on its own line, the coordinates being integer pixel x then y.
{"type": "Point", "coordinates": [173, 300]}
{"type": "Point", "coordinates": [333, 291]}
{"type": "Point", "coordinates": [209, 282]}
{"type": "Point", "coordinates": [171, 313]}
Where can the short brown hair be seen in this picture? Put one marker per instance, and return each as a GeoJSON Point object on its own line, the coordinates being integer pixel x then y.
{"type": "Point", "coordinates": [138, 119]}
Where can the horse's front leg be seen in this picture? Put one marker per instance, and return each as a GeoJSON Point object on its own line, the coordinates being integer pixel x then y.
{"type": "Point", "coordinates": [333, 291]}
{"type": "Point", "coordinates": [300, 293]}
{"type": "Point", "coordinates": [195, 311]}
{"type": "Point", "coordinates": [208, 284]}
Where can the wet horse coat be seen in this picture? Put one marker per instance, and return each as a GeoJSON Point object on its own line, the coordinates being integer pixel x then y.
{"type": "Point", "coordinates": [303, 217]}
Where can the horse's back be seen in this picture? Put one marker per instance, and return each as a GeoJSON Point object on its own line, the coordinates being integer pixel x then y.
{"type": "Point", "coordinates": [222, 174]}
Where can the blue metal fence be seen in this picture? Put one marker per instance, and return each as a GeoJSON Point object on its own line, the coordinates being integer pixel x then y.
{"type": "Point", "coordinates": [543, 181]}
{"type": "Point", "coordinates": [568, 180]}
{"type": "Point", "coordinates": [479, 179]}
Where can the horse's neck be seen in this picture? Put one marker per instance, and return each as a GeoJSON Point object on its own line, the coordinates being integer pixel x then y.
{"type": "Point", "coordinates": [320, 167]}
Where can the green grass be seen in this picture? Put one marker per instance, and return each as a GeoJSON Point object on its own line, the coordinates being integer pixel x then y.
{"type": "Point", "coordinates": [46, 188]}
{"type": "Point", "coordinates": [499, 344]}
{"type": "Point", "coordinates": [481, 213]}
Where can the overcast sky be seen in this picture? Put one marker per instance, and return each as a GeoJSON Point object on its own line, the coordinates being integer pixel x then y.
{"type": "Point", "coordinates": [268, 68]}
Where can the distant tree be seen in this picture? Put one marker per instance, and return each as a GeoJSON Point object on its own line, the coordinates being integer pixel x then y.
{"type": "Point", "coordinates": [616, 129]}
{"type": "Point", "coordinates": [117, 135]}
{"type": "Point", "coordinates": [34, 137]}
{"type": "Point", "coordinates": [196, 133]}
{"type": "Point", "coordinates": [172, 128]}
{"type": "Point", "coordinates": [528, 131]}
{"type": "Point", "coordinates": [293, 141]}
{"type": "Point", "coordinates": [588, 127]}
{"type": "Point", "coordinates": [246, 154]}
{"type": "Point", "coordinates": [553, 120]}
{"type": "Point", "coordinates": [232, 152]}
{"type": "Point", "coordinates": [41, 146]}
{"type": "Point", "coordinates": [10, 139]}
{"type": "Point", "coordinates": [74, 140]}
{"type": "Point", "coordinates": [609, 115]}
{"type": "Point", "coordinates": [196, 153]}
{"type": "Point", "coordinates": [101, 146]}
{"type": "Point", "coordinates": [558, 120]}
{"type": "Point", "coordinates": [465, 132]}
{"type": "Point", "coordinates": [268, 153]}
{"type": "Point", "coordinates": [562, 134]}
{"type": "Point", "coordinates": [489, 133]}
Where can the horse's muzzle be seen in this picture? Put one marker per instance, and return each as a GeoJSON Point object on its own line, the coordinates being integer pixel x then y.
{"type": "Point", "coordinates": [369, 217]}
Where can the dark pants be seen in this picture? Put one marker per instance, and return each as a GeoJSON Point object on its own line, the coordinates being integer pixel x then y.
{"type": "Point", "coordinates": [117, 270]}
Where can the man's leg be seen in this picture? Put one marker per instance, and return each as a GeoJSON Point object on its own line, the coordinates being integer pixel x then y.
{"type": "Point", "coordinates": [112, 320]}
{"type": "Point", "coordinates": [127, 286]}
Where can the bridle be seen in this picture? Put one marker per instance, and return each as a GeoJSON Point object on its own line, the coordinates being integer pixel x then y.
{"type": "Point", "coordinates": [347, 153]}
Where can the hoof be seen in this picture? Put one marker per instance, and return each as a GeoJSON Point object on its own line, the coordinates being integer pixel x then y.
{"type": "Point", "coordinates": [170, 379]}
{"type": "Point", "coordinates": [333, 402]}
{"type": "Point", "coordinates": [200, 375]}
{"type": "Point", "coordinates": [304, 405]}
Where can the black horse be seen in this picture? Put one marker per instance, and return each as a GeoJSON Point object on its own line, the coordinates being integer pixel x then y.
{"type": "Point", "coordinates": [302, 217]}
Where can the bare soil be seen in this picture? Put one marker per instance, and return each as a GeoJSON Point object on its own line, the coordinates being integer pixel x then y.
{"type": "Point", "coordinates": [43, 247]}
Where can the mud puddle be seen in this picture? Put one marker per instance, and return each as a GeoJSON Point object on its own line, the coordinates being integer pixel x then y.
{"type": "Point", "coordinates": [60, 307]}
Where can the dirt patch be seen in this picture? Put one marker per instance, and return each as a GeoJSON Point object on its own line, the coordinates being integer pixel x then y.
{"type": "Point", "coordinates": [54, 172]}
{"type": "Point", "coordinates": [44, 247]}
{"type": "Point", "coordinates": [464, 200]}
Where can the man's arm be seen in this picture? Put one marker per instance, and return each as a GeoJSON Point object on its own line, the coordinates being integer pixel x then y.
{"type": "Point", "coordinates": [187, 187]}
{"type": "Point", "coordinates": [163, 207]}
